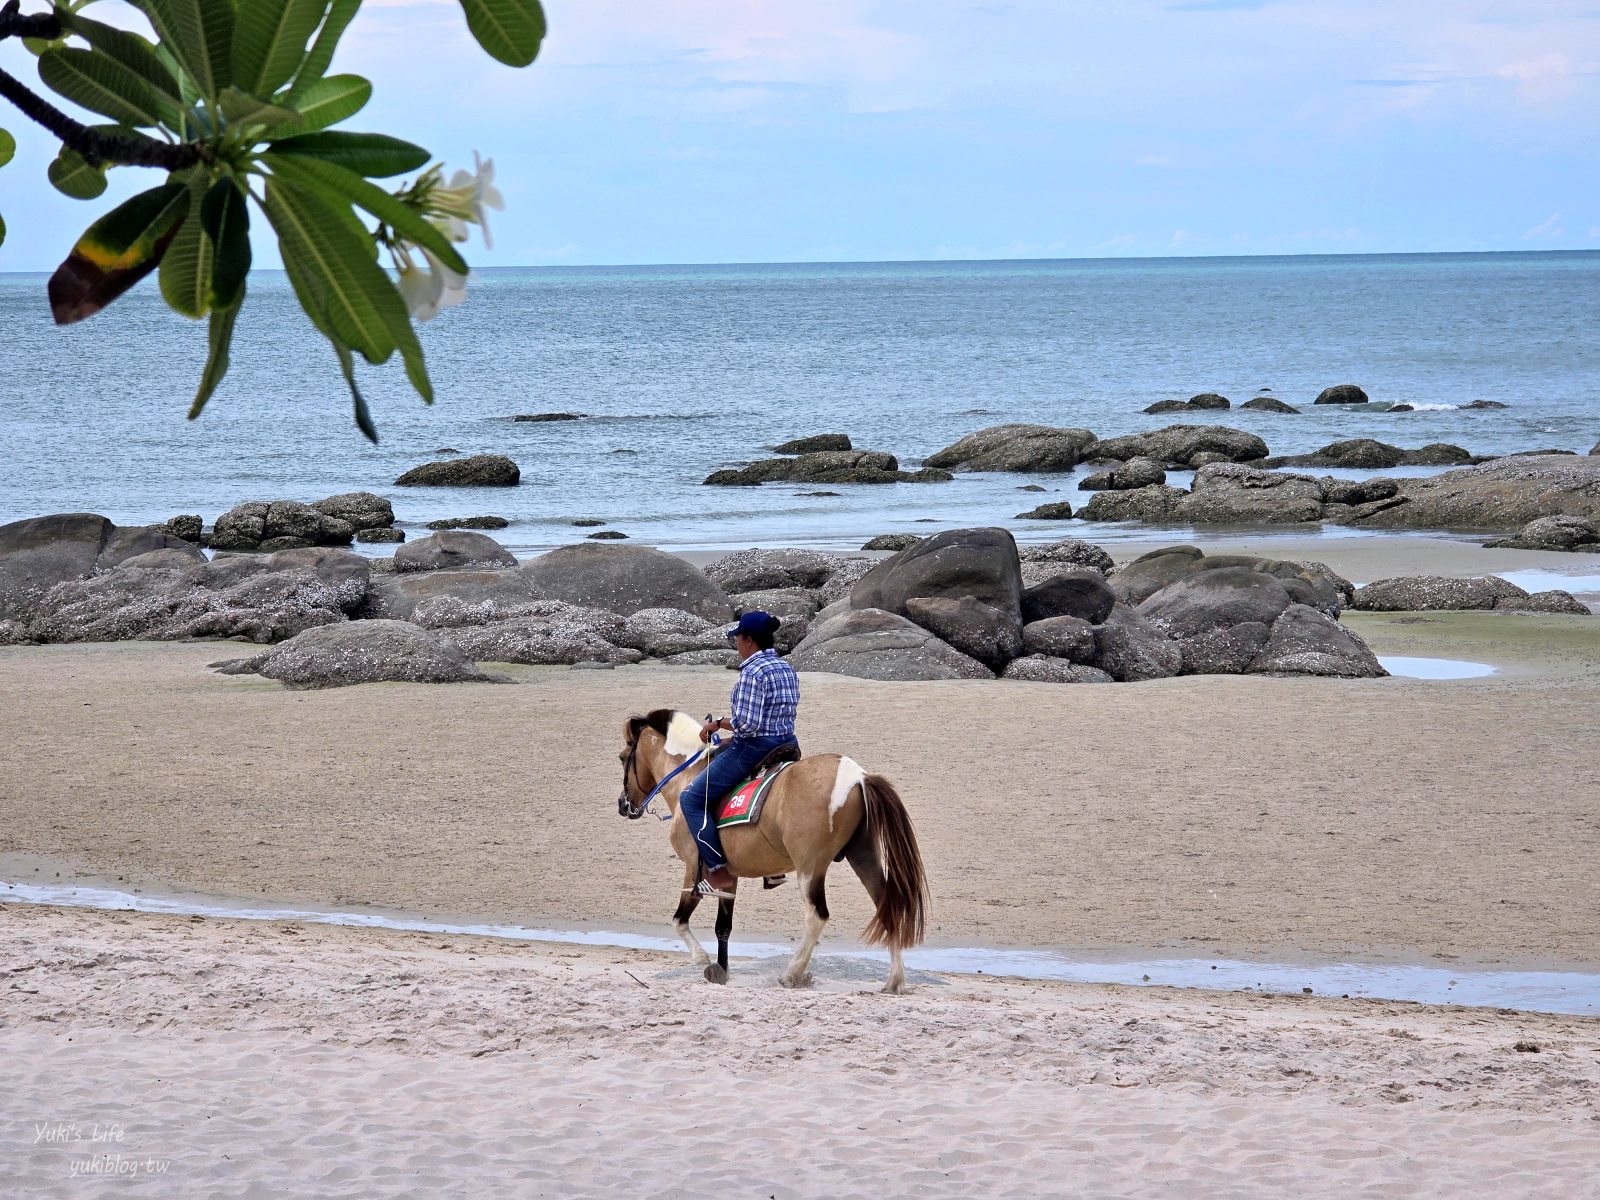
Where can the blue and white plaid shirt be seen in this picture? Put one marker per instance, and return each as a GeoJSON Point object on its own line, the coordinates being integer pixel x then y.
{"type": "Point", "coordinates": [765, 698]}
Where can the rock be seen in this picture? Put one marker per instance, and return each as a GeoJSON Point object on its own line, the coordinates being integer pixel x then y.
{"type": "Point", "coordinates": [171, 559]}
{"type": "Point", "coordinates": [278, 525]}
{"type": "Point", "coordinates": [1031, 487]}
{"type": "Point", "coordinates": [365, 652]}
{"type": "Point", "coordinates": [1335, 591]}
{"type": "Point", "coordinates": [1594, 451]}
{"type": "Point", "coordinates": [452, 550]}
{"type": "Point", "coordinates": [981, 563]}
{"type": "Point", "coordinates": [497, 591]}
{"type": "Point", "coordinates": [759, 570]}
{"type": "Point", "coordinates": [819, 493]}
{"type": "Point", "coordinates": [843, 581]}
{"type": "Point", "coordinates": [1156, 504]}
{"type": "Point", "coordinates": [476, 470]}
{"type": "Point", "coordinates": [661, 632]}
{"type": "Point", "coordinates": [1553, 601]}
{"type": "Point", "coordinates": [624, 579]}
{"type": "Point", "coordinates": [1399, 408]}
{"type": "Point", "coordinates": [1504, 494]}
{"type": "Point", "coordinates": [829, 466]}
{"type": "Point", "coordinates": [1307, 642]}
{"type": "Point", "coordinates": [990, 635]}
{"type": "Point", "coordinates": [705, 658]}
{"type": "Point", "coordinates": [1142, 578]}
{"type": "Point", "coordinates": [1420, 593]}
{"type": "Point", "coordinates": [38, 553]}
{"type": "Point", "coordinates": [1129, 648]}
{"type": "Point", "coordinates": [1181, 443]}
{"type": "Point", "coordinates": [780, 602]}
{"type": "Point", "coordinates": [609, 535]}
{"type": "Point", "coordinates": [1232, 494]}
{"type": "Point", "coordinates": [587, 523]}
{"type": "Point", "coordinates": [379, 536]}
{"type": "Point", "coordinates": [486, 522]}
{"type": "Point", "coordinates": [1480, 404]}
{"type": "Point", "coordinates": [1041, 448]}
{"type": "Point", "coordinates": [1138, 473]}
{"type": "Point", "coordinates": [1360, 453]}
{"type": "Point", "coordinates": [1058, 511]}
{"type": "Point", "coordinates": [541, 418]}
{"type": "Point", "coordinates": [1209, 400]}
{"type": "Point", "coordinates": [553, 640]}
{"type": "Point", "coordinates": [891, 541]}
{"type": "Point", "coordinates": [1069, 638]}
{"type": "Point", "coordinates": [1080, 592]}
{"type": "Point", "coordinates": [1572, 534]}
{"type": "Point", "coordinates": [1268, 404]}
{"type": "Point", "coordinates": [360, 510]}
{"type": "Point", "coordinates": [1223, 650]}
{"type": "Point", "coordinates": [348, 574]}
{"type": "Point", "coordinates": [1072, 551]}
{"type": "Point", "coordinates": [1037, 668]}
{"type": "Point", "coordinates": [816, 442]}
{"type": "Point", "coordinates": [1439, 454]}
{"type": "Point", "coordinates": [1342, 393]}
{"type": "Point", "coordinates": [188, 527]}
{"type": "Point", "coordinates": [274, 544]}
{"type": "Point", "coordinates": [1216, 599]}
{"type": "Point", "coordinates": [242, 527]}
{"type": "Point", "coordinates": [1357, 491]}
{"type": "Point", "coordinates": [870, 643]}
{"type": "Point", "coordinates": [1166, 406]}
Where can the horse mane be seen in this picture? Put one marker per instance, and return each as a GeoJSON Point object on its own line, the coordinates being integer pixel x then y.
{"type": "Point", "coordinates": [679, 730]}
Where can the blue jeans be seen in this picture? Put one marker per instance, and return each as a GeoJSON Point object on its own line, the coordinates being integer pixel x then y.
{"type": "Point", "coordinates": [731, 767]}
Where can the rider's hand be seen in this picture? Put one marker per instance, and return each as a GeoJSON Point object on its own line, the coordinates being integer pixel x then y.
{"type": "Point", "coordinates": [708, 729]}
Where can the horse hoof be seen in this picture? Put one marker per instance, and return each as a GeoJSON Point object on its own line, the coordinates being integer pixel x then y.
{"type": "Point", "coordinates": [716, 974]}
{"type": "Point", "coordinates": [804, 981]}
{"type": "Point", "coordinates": [894, 989]}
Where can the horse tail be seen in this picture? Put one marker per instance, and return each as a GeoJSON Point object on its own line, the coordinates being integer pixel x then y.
{"type": "Point", "coordinates": [902, 901]}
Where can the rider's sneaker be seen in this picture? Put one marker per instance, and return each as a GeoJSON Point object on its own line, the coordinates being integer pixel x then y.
{"type": "Point", "coordinates": [768, 882]}
{"type": "Point", "coordinates": [719, 882]}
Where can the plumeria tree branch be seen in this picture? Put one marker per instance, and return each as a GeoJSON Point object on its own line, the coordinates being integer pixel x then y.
{"type": "Point", "coordinates": [98, 147]}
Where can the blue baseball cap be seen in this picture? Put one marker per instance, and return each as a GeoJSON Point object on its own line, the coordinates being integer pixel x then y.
{"type": "Point", "coordinates": [754, 624]}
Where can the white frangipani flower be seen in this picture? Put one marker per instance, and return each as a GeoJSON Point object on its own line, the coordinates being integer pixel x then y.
{"type": "Point", "coordinates": [427, 292]}
{"type": "Point", "coordinates": [462, 203]}
{"type": "Point", "coordinates": [432, 287]}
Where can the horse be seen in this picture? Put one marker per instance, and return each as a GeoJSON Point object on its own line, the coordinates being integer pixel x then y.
{"type": "Point", "coordinates": [821, 809]}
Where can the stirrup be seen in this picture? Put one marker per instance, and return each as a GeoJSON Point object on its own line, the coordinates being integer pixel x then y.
{"type": "Point", "coordinates": [705, 891]}
{"type": "Point", "coordinates": [768, 882]}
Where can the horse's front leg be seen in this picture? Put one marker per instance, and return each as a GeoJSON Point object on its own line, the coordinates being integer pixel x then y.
{"type": "Point", "coordinates": [717, 972]}
{"type": "Point", "coordinates": [687, 900]}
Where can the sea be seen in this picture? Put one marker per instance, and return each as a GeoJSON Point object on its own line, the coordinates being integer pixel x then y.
{"type": "Point", "coordinates": [681, 370]}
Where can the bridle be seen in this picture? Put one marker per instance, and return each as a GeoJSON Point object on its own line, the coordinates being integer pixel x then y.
{"type": "Point", "coordinates": [626, 806]}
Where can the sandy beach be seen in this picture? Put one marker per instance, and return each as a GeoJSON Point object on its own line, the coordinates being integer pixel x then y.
{"type": "Point", "coordinates": [1313, 820]}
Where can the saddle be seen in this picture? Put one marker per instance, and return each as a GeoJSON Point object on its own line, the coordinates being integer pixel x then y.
{"type": "Point", "coordinates": [743, 805]}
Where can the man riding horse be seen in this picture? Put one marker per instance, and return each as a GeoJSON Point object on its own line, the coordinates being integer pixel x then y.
{"type": "Point", "coordinates": [762, 707]}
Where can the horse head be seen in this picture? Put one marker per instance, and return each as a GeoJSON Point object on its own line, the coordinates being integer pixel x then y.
{"type": "Point", "coordinates": [679, 736]}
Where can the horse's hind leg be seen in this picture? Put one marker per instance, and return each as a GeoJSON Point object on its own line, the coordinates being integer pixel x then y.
{"type": "Point", "coordinates": [717, 972]}
{"type": "Point", "coordinates": [863, 856]}
{"type": "Point", "coordinates": [814, 891]}
{"type": "Point", "coordinates": [687, 900]}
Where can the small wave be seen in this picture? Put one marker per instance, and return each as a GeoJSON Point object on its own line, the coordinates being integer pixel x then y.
{"type": "Point", "coordinates": [1435, 407]}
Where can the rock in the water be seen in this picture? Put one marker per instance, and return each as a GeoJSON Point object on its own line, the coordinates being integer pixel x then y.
{"type": "Point", "coordinates": [1357, 491]}
{"type": "Point", "coordinates": [542, 418]}
{"type": "Point", "coordinates": [1477, 404]}
{"type": "Point", "coordinates": [380, 536]}
{"type": "Point", "coordinates": [816, 442]}
{"type": "Point", "coordinates": [360, 510]}
{"type": "Point", "coordinates": [484, 522]}
{"type": "Point", "coordinates": [1080, 592]}
{"type": "Point", "coordinates": [587, 523]}
{"type": "Point", "coordinates": [1070, 638]}
{"type": "Point", "coordinates": [40, 552]}
{"type": "Point", "coordinates": [1233, 494]}
{"type": "Point", "coordinates": [1041, 448]}
{"type": "Point", "coordinates": [1129, 648]}
{"type": "Point", "coordinates": [1439, 454]}
{"type": "Point", "coordinates": [1400, 408]}
{"type": "Point", "coordinates": [1181, 444]}
{"type": "Point", "coordinates": [1157, 504]}
{"type": "Point", "coordinates": [1307, 642]}
{"type": "Point", "coordinates": [1070, 551]}
{"type": "Point", "coordinates": [1057, 511]}
{"type": "Point", "coordinates": [1342, 393]}
{"type": "Point", "coordinates": [1361, 453]}
{"type": "Point", "coordinates": [366, 652]}
{"type": "Point", "coordinates": [1421, 593]}
{"type": "Point", "coordinates": [1553, 601]}
{"type": "Point", "coordinates": [1137, 473]}
{"type": "Point", "coordinates": [609, 535]}
{"type": "Point", "coordinates": [1204, 401]}
{"type": "Point", "coordinates": [981, 563]}
{"type": "Point", "coordinates": [625, 579]}
{"type": "Point", "coordinates": [759, 570]}
{"type": "Point", "coordinates": [1571, 534]}
{"type": "Point", "coordinates": [452, 550]}
{"type": "Point", "coordinates": [978, 630]}
{"type": "Point", "coordinates": [476, 470]}
{"type": "Point", "coordinates": [278, 525]}
{"type": "Point", "coordinates": [188, 527]}
{"type": "Point", "coordinates": [1037, 668]}
{"type": "Point", "coordinates": [872, 644]}
{"type": "Point", "coordinates": [1269, 404]}
{"type": "Point", "coordinates": [826, 466]}
{"type": "Point", "coordinates": [891, 541]}
{"type": "Point", "coordinates": [1166, 406]}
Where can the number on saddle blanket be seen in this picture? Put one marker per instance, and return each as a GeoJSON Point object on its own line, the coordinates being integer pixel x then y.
{"type": "Point", "coordinates": [743, 805]}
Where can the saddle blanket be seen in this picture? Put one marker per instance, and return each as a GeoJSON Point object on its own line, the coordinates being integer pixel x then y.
{"type": "Point", "coordinates": [744, 804]}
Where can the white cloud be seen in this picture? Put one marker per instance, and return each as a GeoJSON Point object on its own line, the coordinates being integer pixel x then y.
{"type": "Point", "coordinates": [1550, 227]}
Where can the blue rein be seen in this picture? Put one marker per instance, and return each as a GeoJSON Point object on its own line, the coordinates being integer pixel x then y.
{"type": "Point", "coordinates": [673, 774]}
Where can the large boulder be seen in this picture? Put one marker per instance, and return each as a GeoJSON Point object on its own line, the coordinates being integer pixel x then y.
{"type": "Point", "coordinates": [40, 552]}
{"type": "Point", "coordinates": [663, 632]}
{"type": "Point", "coordinates": [870, 643]}
{"type": "Point", "coordinates": [452, 550]}
{"type": "Point", "coordinates": [475, 470]}
{"type": "Point", "coordinates": [1232, 494]}
{"type": "Point", "coordinates": [349, 575]}
{"type": "Point", "coordinates": [1181, 444]}
{"type": "Point", "coordinates": [981, 563]}
{"type": "Point", "coordinates": [1342, 393]}
{"type": "Point", "coordinates": [1553, 601]}
{"type": "Point", "coordinates": [1312, 584]}
{"type": "Point", "coordinates": [1080, 592]}
{"type": "Point", "coordinates": [815, 443]}
{"type": "Point", "coordinates": [1142, 578]}
{"type": "Point", "coordinates": [497, 593]}
{"type": "Point", "coordinates": [278, 524]}
{"type": "Point", "coordinates": [758, 570]}
{"type": "Point", "coordinates": [978, 630]}
{"type": "Point", "coordinates": [1136, 473]}
{"type": "Point", "coordinates": [1129, 649]}
{"type": "Point", "coordinates": [538, 640]}
{"type": "Point", "coordinates": [1307, 642]}
{"type": "Point", "coordinates": [1073, 552]}
{"type": "Point", "coordinates": [782, 603]}
{"type": "Point", "coordinates": [1504, 494]}
{"type": "Point", "coordinates": [362, 652]}
{"type": "Point", "coordinates": [1422, 593]}
{"type": "Point", "coordinates": [1040, 448]}
{"type": "Point", "coordinates": [1070, 638]}
{"type": "Point", "coordinates": [1157, 505]}
{"type": "Point", "coordinates": [1570, 534]}
{"type": "Point", "coordinates": [624, 579]}
{"type": "Point", "coordinates": [1038, 668]}
{"type": "Point", "coordinates": [1207, 600]}
{"type": "Point", "coordinates": [359, 510]}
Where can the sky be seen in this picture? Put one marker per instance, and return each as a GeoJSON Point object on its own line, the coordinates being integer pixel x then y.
{"type": "Point", "coordinates": [681, 131]}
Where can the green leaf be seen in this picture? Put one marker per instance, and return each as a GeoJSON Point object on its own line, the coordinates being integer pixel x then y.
{"type": "Point", "coordinates": [312, 174]}
{"type": "Point", "coordinates": [200, 33]}
{"type": "Point", "coordinates": [226, 217]}
{"type": "Point", "coordinates": [363, 414]}
{"type": "Point", "coordinates": [117, 251]}
{"type": "Point", "coordinates": [510, 30]}
{"type": "Point", "coordinates": [328, 257]}
{"type": "Point", "coordinates": [375, 155]}
{"type": "Point", "coordinates": [71, 176]}
{"type": "Point", "coordinates": [93, 80]}
{"type": "Point", "coordinates": [134, 54]}
{"type": "Point", "coordinates": [186, 266]}
{"type": "Point", "coordinates": [240, 109]}
{"type": "Point", "coordinates": [2, 231]}
{"type": "Point", "coordinates": [269, 42]}
{"type": "Point", "coordinates": [221, 338]}
{"type": "Point", "coordinates": [8, 147]}
{"type": "Point", "coordinates": [321, 56]}
{"type": "Point", "coordinates": [327, 102]}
